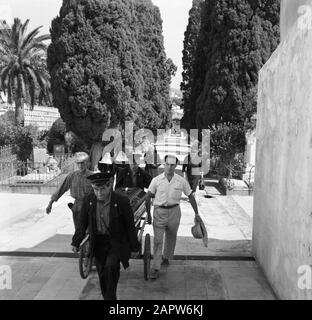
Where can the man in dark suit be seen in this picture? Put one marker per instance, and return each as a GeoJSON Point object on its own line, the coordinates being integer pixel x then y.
{"type": "Point", "coordinates": [113, 239]}
{"type": "Point", "coordinates": [106, 164]}
{"type": "Point", "coordinates": [133, 176]}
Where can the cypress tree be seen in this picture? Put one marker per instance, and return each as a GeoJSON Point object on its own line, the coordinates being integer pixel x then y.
{"type": "Point", "coordinates": [235, 39]}
{"type": "Point", "coordinates": [103, 72]}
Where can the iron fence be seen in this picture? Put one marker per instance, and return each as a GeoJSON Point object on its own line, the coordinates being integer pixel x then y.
{"type": "Point", "coordinates": [6, 153]}
{"type": "Point", "coordinates": [28, 173]}
{"type": "Point", "coordinates": [63, 159]}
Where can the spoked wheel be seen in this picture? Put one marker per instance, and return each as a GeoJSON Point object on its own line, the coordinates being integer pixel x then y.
{"type": "Point", "coordinates": [147, 256]}
{"type": "Point", "coordinates": [85, 260]}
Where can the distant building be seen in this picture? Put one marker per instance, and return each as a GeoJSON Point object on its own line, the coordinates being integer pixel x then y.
{"type": "Point", "coordinates": [41, 117]}
{"type": "Point", "coordinates": [177, 114]}
{"type": "Point", "coordinates": [176, 111]}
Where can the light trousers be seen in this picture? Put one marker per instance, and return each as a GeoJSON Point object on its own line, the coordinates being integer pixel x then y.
{"type": "Point", "coordinates": [165, 222]}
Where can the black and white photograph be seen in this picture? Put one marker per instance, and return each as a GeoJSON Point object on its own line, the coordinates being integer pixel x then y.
{"type": "Point", "coordinates": [155, 150]}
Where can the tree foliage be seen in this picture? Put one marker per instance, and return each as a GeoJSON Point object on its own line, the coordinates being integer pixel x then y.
{"type": "Point", "coordinates": [227, 141]}
{"type": "Point", "coordinates": [189, 51]}
{"type": "Point", "coordinates": [235, 39]}
{"type": "Point", "coordinates": [58, 135]}
{"type": "Point", "coordinates": [108, 65]}
{"type": "Point", "coordinates": [23, 76]}
{"type": "Point", "coordinates": [22, 139]}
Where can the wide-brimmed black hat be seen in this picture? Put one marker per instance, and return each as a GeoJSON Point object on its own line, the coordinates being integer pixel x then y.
{"type": "Point", "coordinates": [100, 177]}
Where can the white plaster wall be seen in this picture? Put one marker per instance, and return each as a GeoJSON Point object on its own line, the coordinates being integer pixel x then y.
{"type": "Point", "coordinates": [282, 232]}
{"type": "Point", "coordinates": [291, 11]}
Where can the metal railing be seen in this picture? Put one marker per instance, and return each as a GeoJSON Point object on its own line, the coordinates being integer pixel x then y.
{"type": "Point", "coordinates": [19, 173]}
{"type": "Point", "coordinates": [63, 160]}
{"type": "Point", "coordinates": [6, 153]}
{"type": "Point", "coordinates": [252, 169]}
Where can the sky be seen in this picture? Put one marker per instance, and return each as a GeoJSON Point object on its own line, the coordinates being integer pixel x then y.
{"type": "Point", "coordinates": [174, 15]}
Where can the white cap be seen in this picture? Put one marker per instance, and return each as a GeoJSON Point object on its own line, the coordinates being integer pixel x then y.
{"type": "Point", "coordinates": [121, 157]}
{"type": "Point", "coordinates": [106, 159]}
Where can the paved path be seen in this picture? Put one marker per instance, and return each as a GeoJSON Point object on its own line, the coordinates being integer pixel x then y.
{"type": "Point", "coordinates": [58, 279]}
{"type": "Point", "coordinates": [43, 279]}
{"type": "Point", "coordinates": [229, 224]}
{"type": "Point", "coordinates": [229, 227]}
{"type": "Point", "coordinates": [35, 226]}
{"type": "Point", "coordinates": [190, 280]}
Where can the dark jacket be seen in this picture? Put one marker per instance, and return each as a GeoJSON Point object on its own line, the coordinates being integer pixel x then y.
{"type": "Point", "coordinates": [122, 232]}
{"type": "Point", "coordinates": [188, 165]}
{"type": "Point", "coordinates": [124, 179]}
{"type": "Point", "coordinates": [153, 162]}
{"type": "Point", "coordinates": [104, 168]}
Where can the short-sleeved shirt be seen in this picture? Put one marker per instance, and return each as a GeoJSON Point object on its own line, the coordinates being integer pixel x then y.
{"type": "Point", "coordinates": [169, 193]}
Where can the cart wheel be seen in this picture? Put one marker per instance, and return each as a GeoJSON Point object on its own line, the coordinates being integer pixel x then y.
{"type": "Point", "coordinates": [147, 256]}
{"type": "Point", "coordinates": [85, 261]}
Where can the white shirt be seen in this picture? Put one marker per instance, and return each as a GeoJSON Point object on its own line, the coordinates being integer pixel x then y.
{"type": "Point", "coordinates": [169, 193]}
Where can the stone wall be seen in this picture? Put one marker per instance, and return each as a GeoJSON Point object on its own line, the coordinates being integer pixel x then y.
{"type": "Point", "coordinates": [282, 236]}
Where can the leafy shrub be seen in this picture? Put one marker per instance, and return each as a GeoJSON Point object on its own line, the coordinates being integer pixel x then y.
{"type": "Point", "coordinates": [227, 141]}
{"type": "Point", "coordinates": [22, 139]}
{"type": "Point", "coordinates": [58, 135]}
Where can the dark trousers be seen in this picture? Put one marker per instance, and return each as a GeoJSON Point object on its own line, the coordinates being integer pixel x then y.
{"type": "Point", "coordinates": [76, 218]}
{"type": "Point", "coordinates": [76, 209]}
{"type": "Point", "coordinates": [108, 267]}
{"type": "Point", "coordinates": [193, 181]}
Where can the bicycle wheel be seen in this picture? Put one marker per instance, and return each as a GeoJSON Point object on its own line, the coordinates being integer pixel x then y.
{"type": "Point", "coordinates": [85, 260]}
{"type": "Point", "coordinates": [147, 256]}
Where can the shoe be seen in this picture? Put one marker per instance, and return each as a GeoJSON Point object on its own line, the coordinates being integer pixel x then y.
{"type": "Point", "coordinates": [154, 274]}
{"type": "Point", "coordinates": [165, 262]}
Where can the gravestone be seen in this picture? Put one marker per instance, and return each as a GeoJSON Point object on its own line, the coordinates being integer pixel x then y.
{"type": "Point", "coordinates": [39, 157]}
{"type": "Point", "coordinates": [250, 158]}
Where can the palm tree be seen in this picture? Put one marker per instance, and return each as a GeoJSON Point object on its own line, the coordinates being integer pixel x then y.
{"type": "Point", "coordinates": [22, 67]}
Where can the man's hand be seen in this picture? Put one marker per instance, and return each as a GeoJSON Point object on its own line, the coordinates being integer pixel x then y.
{"type": "Point", "coordinates": [75, 249]}
{"type": "Point", "coordinates": [134, 255]}
{"type": "Point", "coordinates": [49, 208]}
{"type": "Point", "coordinates": [148, 206]}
